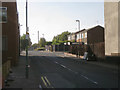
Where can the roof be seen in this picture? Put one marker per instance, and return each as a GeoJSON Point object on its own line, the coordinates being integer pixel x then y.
{"type": "Point", "coordinates": [80, 31]}
{"type": "Point", "coordinates": [85, 30]}
{"type": "Point", "coordinates": [94, 27]}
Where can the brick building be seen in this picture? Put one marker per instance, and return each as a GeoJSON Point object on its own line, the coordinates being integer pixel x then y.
{"type": "Point", "coordinates": [95, 35]}
{"type": "Point", "coordinates": [89, 36]}
{"type": "Point", "coordinates": [10, 36]}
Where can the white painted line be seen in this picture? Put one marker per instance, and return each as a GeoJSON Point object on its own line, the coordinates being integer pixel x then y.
{"type": "Point", "coordinates": [63, 66]}
{"type": "Point", "coordinates": [77, 73]}
{"type": "Point", "coordinates": [89, 79]}
{"type": "Point", "coordinates": [56, 62]}
{"type": "Point", "coordinates": [69, 69]}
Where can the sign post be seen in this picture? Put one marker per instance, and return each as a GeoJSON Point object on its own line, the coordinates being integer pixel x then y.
{"type": "Point", "coordinates": [27, 40]}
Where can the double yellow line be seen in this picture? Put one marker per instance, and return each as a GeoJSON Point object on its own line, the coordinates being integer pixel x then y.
{"type": "Point", "coordinates": [46, 82]}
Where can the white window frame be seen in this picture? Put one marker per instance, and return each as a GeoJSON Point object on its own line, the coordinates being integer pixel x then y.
{"type": "Point", "coordinates": [82, 35]}
{"type": "Point", "coordinates": [85, 34]}
{"type": "Point", "coordinates": [1, 12]}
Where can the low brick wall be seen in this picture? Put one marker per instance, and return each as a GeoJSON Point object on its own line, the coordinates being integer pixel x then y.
{"type": "Point", "coordinates": [97, 48]}
{"type": "Point", "coordinates": [5, 70]}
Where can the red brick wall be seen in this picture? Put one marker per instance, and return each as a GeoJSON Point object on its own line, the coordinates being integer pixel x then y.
{"type": "Point", "coordinates": [95, 35]}
{"type": "Point", "coordinates": [11, 32]}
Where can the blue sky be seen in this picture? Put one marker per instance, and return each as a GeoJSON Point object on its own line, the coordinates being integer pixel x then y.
{"type": "Point", "coordinates": [53, 18]}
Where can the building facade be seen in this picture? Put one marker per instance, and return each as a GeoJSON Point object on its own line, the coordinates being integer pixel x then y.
{"type": "Point", "coordinates": [80, 36]}
{"type": "Point", "coordinates": [112, 28]}
{"type": "Point", "coordinates": [72, 37]}
{"type": "Point", "coordinates": [95, 35]}
{"type": "Point", "coordinates": [91, 35]}
{"type": "Point", "coordinates": [10, 36]}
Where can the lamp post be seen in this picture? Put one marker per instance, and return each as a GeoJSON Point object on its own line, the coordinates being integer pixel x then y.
{"type": "Point", "coordinates": [27, 37]}
{"type": "Point", "coordinates": [64, 49]}
{"type": "Point", "coordinates": [79, 34]}
{"type": "Point", "coordinates": [19, 38]}
{"type": "Point", "coordinates": [78, 28]}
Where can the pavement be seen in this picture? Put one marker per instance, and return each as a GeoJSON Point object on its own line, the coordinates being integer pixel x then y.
{"type": "Point", "coordinates": [57, 70]}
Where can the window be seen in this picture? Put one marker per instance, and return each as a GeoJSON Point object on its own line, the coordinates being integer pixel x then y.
{"type": "Point", "coordinates": [78, 36]}
{"type": "Point", "coordinates": [69, 37]}
{"type": "Point", "coordinates": [3, 14]}
{"type": "Point", "coordinates": [82, 35]}
{"type": "Point", "coordinates": [86, 35]}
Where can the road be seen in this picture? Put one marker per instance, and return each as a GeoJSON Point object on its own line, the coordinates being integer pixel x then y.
{"type": "Point", "coordinates": [53, 70]}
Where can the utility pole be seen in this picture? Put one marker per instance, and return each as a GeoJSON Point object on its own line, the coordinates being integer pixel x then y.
{"type": "Point", "coordinates": [78, 28]}
{"type": "Point", "coordinates": [79, 36]}
{"type": "Point", "coordinates": [38, 37]}
{"type": "Point", "coordinates": [27, 37]}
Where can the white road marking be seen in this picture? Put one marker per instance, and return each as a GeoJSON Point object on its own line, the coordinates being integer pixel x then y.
{"type": "Point", "coordinates": [62, 65]}
{"type": "Point", "coordinates": [89, 79]}
{"type": "Point", "coordinates": [56, 62]}
{"type": "Point", "coordinates": [77, 73]}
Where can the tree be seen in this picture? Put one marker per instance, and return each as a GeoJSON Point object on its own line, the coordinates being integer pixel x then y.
{"type": "Point", "coordinates": [48, 43]}
{"type": "Point", "coordinates": [42, 42]}
{"type": "Point", "coordinates": [35, 45]}
{"type": "Point", "coordinates": [61, 38]}
{"type": "Point", "coordinates": [23, 42]}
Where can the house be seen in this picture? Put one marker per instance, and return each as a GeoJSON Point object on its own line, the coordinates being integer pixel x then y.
{"type": "Point", "coordinates": [80, 36]}
{"type": "Point", "coordinates": [91, 35]}
{"type": "Point", "coordinates": [95, 35]}
{"type": "Point", "coordinates": [10, 36]}
{"type": "Point", "coordinates": [72, 37]}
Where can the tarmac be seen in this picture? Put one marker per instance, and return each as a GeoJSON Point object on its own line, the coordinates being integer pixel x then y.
{"type": "Point", "coordinates": [17, 79]}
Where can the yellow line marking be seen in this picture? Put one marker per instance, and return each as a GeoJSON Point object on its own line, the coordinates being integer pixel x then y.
{"type": "Point", "coordinates": [47, 81]}
{"type": "Point", "coordinates": [44, 81]}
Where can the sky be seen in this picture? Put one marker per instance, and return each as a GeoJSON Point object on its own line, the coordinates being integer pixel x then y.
{"type": "Point", "coordinates": [53, 18]}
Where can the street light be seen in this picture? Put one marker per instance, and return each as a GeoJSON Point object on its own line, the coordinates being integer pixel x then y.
{"type": "Point", "coordinates": [64, 49]}
{"type": "Point", "coordinates": [79, 33]}
{"type": "Point", "coordinates": [27, 37]}
{"type": "Point", "coordinates": [19, 38]}
{"type": "Point", "coordinates": [78, 28]}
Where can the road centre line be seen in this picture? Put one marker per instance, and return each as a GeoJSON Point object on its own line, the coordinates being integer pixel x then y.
{"type": "Point", "coordinates": [89, 79]}
{"type": "Point", "coordinates": [63, 66]}
{"type": "Point", "coordinates": [56, 62]}
{"type": "Point", "coordinates": [78, 73]}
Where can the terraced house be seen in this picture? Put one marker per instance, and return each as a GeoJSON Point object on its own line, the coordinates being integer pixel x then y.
{"type": "Point", "coordinates": [10, 36]}
{"type": "Point", "coordinates": [89, 36]}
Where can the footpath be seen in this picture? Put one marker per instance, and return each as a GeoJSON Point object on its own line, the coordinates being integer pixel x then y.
{"type": "Point", "coordinates": [17, 79]}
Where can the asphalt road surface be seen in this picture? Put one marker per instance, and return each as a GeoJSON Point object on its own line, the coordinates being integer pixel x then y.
{"type": "Point", "coordinates": [55, 70]}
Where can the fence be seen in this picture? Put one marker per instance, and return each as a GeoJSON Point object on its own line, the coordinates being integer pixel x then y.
{"type": "Point", "coordinates": [97, 48]}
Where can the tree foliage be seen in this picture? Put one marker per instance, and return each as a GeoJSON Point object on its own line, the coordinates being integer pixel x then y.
{"type": "Point", "coordinates": [48, 43]}
{"type": "Point", "coordinates": [42, 42]}
{"type": "Point", "coordinates": [35, 45]}
{"type": "Point", "coordinates": [23, 42]}
{"type": "Point", "coordinates": [61, 38]}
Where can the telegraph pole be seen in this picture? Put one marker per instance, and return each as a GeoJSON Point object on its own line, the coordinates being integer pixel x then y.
{"type": "Point", "coordinates": [78, 28]}
{"type": "Point", "coordinates": [38, 37]}
{"type": "Point", "coordinates": [79, 36]}
{"type": "Point", "coordinates": [27, 37]}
